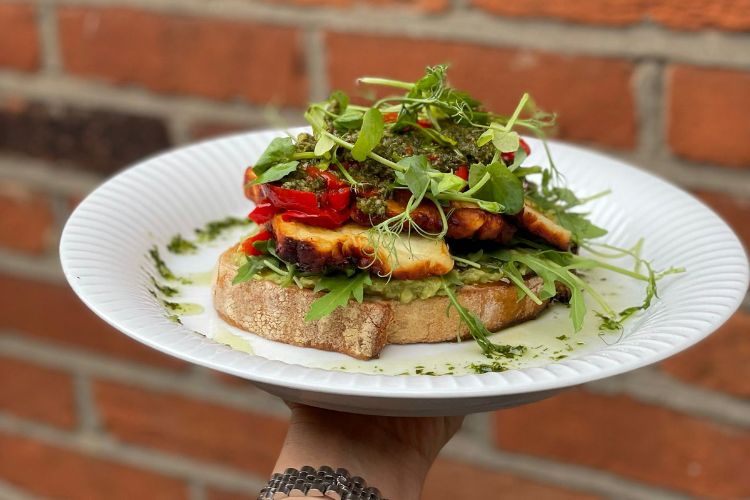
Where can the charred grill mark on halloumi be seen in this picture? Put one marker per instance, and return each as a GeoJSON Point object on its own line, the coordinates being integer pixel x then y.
{"type": "Point", "coordinates": [465, 220]}
{"type": "Point", "coordinates": [538, 224]}
{"type": "Point", "coordinates": [315, 249]}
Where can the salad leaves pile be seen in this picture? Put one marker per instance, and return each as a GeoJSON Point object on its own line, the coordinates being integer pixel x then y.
{"type": "Point", "coordinates": [498, 184]}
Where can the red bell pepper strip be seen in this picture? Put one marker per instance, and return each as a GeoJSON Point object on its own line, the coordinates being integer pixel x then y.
{"type": "Point", "coordinates": [337, 199]}
{"type": "Point", "coordinates": [248, 178]}
{"type": "Point", "coordinates": [390, 117]}
{"type": "Point", "coordinates": [326, 218]}
{"type": "Point", "coordinates": [247, 245]}
{"type": "Point", "coordinates": [262, 213]}
{"type": "Point", "coordinates": [290, 199]}
{"type": "Point", "coordinates": [509, 157]}
{"type": "Point", "coordinates": [462, 172]}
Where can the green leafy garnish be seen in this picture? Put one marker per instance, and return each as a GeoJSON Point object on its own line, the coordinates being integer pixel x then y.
{"type": "Point", "coordinates": [369, 135]}
{"type": "Point", "coordinates": [276, 172]}
{"type": "Point", "coordinates": [341, 289]}
{"type": "Point", "coordinates": [502, 187]}
{"type": "Point", "coordinates": [280, 150]}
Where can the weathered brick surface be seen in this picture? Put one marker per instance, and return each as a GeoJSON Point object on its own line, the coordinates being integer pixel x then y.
{"type": "Point", "coordinates": [450, 480]}
{"type": "Point", "coordinates": [200, 429]}
{"type": "Point", "coordinates": [58, 473]}
{"type": "Point", "coordinates": [19, 40]}
{"type": "Point", "coordinates": [719, 362]}
{"type": "Point", "coordinates": [735, 211]}
{"type": "Point", "coordinates": [677, 14]}
{"type": "Point", "coordinates": [98, 140]}
{"type": "Point", "coordinates": [644, 442]}
{"type": "Point", "coordinates": [699, 14]}
{"type": "Point", "coordinates": [596, 106]}
{"type": "Point", "coordinates": [607, 12]}
{"type": "Point", "coordinates": [209, 129]}
{"type": "Point", "coordinates": [53, 312]}
{"type": "Point", "coordinates": [27, 220]}
{"type": "Point", "coordinates": [707, 112]}
{"type": "Point", "coordinates": [187, 55]}
{"type": "Point", "coordinates": [37, 393]}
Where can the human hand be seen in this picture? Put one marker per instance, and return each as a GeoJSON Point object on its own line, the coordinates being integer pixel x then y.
{"type": "Point", "coordinates": [393, 454]}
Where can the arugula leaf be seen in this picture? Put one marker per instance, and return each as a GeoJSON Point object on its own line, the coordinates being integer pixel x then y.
{"type": "Point", "coordinates": [250, 268]}
{"type": "Point", "coordinates": [581, 228]}
{"type": "Point", "coordinates": [446, 182]}
{"type": "Point", "coordinates": [276, 172]}
{"type": "Point", "coordinates": [369, 135]}
{"type": "Point", "coordinates": [340, 289]}
{"type": "Point", "coordinates": [503, 187]}
{"type": "Point", "coordinates": [281, 149]}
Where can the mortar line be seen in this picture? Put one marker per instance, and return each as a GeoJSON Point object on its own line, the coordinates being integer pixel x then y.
{"type": "Point", "coordinates": [115, 370]}
{"type": "Point", "coordinates": [104, 447]}
{"type": "Point", "coordinates": [48, 37]}
{"type": "Point", "coordinates": [315, 58]}
{"type": "Point", "coordinates": [557, 473]}
{"type": "Point", "coordinates": [88, 416]}
{"type": "Point", "coordinates": [641, 40]}
{"type": "Point", "coordinates": [649, 102]}
{"type": "Point", "coordinates": [9, 491]}
{"type": "Point", "coordinates": [652, 386]}
{"type": "Point", "coordinates": [196, 490]}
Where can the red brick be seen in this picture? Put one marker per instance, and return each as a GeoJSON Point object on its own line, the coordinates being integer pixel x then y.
{"type": "Point", "coordinates": [677, 14]}
{"type": "Point", "coordinates": [428, 6]}
{"type": "Point", "coordinates": [735, 211]}
{"type": "Point", "coordinates": [592, 96]}
{"type": "Point", "coordinates": [607, 12]}
{"type": "Point", "coordinates": [53, 312]}
{"type": "Point", "coordinates": [720, 362]}
{"type": "Point", "coordinates": [697, 14]}
{"type": "Point", "coordinates": [187, 55]}
{"type": "Point", "coordinates": [644, 442]}
{"type": "Point", "coordinates": [708, 115]}
{"type": "Point", "coordinates": [37, 393]}
{"type": "Point", "coordinates": [27, 221]}
{"type": "Point", "coordinates": [19, 41]}
{"type": "Point", "coordinates": [450, 480]}
{"type": "Point", "coordinates": [59, 473]}
{"type": "Point", "coordinates": [181, 425]}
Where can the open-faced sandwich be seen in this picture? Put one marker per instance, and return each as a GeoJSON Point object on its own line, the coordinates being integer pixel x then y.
{"type": "Point", "coordinates": [412, 220]}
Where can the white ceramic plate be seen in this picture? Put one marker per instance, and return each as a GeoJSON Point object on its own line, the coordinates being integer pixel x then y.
{"type": "Point", "coordinates": [104, 255]}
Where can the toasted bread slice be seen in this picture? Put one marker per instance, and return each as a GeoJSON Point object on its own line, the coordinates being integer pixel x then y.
{"type": "Point", "coordinates": [316, 249]}
{"type": "Point", "coordinates": [362, 330]}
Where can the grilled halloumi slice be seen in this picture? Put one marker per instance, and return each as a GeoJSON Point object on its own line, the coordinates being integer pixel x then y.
{"type": "Point", "coordinates": [538, 224]}
{"type": "Point", "coordinates": [315, 249]}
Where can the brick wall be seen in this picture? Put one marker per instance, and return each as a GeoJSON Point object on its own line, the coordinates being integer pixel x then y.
{"type": "Point", "coordinates": [89, 86]}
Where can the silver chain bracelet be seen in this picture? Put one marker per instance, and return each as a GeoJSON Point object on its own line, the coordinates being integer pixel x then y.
{"type": "Point", "coordinates": [324, 482]}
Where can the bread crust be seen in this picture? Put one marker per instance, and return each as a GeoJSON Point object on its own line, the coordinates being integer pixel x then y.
{"type": "Point", "coordinates": [362, 330]}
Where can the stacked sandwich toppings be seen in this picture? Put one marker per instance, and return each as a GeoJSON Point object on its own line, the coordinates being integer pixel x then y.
{"type": "Point", "coordinates": [423, 190]}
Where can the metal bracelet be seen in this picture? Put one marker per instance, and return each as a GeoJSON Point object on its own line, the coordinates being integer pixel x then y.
{"type": "Point", "coordinates": [323, 482]}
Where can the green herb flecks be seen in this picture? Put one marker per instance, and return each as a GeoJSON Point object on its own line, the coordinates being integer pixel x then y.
{"type": "Point", "coordinates": [214, 229]}
{"type": "Point", "coordinates": [180, 245]}
{"type": "Point", "coordinates": [165, 290]}
{"type": "Point", "coordinates": [162, 269]}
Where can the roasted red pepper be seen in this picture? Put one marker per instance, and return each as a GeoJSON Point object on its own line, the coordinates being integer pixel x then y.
{"type": "Point", "coordinates": [509, 157]}
{"type": "Point", "coordinates": [462, 172]}
{"type": "Point", "coordinates": [248, 178]}
{"type": "Point", "coordinates": [290, 199]}
{"type": "Point", "coordinates": [336, 199]}
{"type": "Point", "coordinates": [262, 213]}
{"type": "Point", "coordinates": [327, 218]}
{"type": "Point", "coordinates": [392, 117]}
{"type": "Point", "coordinates": [247, 245]}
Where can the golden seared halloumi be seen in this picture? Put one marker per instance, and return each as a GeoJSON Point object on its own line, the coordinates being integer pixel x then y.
{"type": "Point", "coordinates": [315, 249]}
{"type": "Point", "coordinates": [538, 224]}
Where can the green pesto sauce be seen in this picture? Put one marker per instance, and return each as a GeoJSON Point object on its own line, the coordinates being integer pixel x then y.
{"type": "Point", "coordinates": [214, 229]}
{"type": "Point", "coordinates": [180, 245]}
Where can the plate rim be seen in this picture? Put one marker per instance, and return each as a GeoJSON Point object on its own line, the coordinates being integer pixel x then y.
{"type": "Point", "coordinates": [483, 385]}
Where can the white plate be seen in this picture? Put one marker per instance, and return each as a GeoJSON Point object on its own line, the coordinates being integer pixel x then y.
{"type": "Point", "coordinates": [104, 255]}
